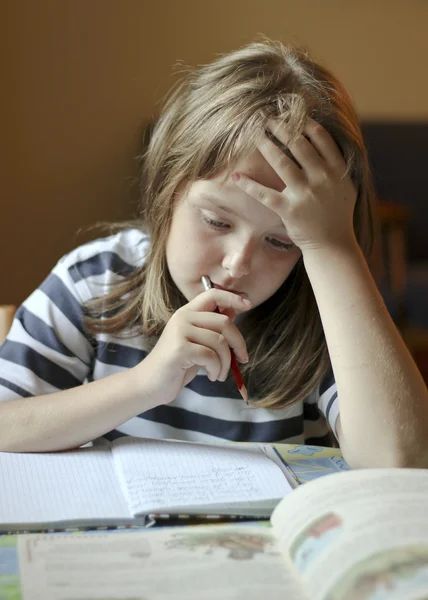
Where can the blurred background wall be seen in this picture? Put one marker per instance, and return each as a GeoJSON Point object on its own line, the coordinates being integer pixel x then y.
{"type": "Point", "coordinates": [81, 78]}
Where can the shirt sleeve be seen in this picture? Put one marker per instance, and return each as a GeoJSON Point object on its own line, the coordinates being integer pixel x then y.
{"type": "Point", "coordinates": [47, 349]}
{"type": "Point", "coordinates": [328, 401]}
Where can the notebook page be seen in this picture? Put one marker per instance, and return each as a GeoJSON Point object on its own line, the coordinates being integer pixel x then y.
{"type": "Point", "coordinates": [80, 484]}
{"type": "Point", "coordinates": [159, 475]}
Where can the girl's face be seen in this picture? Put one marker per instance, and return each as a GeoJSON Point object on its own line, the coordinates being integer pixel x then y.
{"type": "Point", "coordinates": [220, 231]}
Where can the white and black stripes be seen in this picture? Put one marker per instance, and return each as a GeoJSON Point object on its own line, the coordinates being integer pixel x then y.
{"type": "Point", "coordinates": [48, 350]}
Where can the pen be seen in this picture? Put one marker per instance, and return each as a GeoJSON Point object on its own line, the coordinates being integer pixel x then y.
{"type": "Point", "coordinates": [206, 282]}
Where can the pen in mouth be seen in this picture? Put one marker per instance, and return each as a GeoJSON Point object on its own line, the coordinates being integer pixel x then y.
{"type": "Point", "coordinates": [206, 282]}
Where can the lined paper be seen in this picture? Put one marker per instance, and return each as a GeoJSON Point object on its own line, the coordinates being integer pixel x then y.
{"type": "Point", "coordinates": [80, 484]}
{"type": "Point", "coordinates": [156, 474]}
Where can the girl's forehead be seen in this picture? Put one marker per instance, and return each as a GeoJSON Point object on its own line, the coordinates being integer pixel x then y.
{"type": "Point", "coordinates": [222, 192]}
{"type": "Point", "coordinates": [256, 167]}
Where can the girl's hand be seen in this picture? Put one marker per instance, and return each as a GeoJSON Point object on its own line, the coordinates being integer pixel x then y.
{"type": "Point", "coordinates": [317, 202]}
{"type": "Point", "coordinates": [196, 337]}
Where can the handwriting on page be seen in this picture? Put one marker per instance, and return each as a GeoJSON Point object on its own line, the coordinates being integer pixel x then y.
{"type": "Point", "coordinates": [158, 474]}
{"type": "Point", "coordinates": [212, 487]}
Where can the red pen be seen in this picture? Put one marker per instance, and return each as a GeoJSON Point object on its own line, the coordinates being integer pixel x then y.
{"type": "Point", "coordinates": [206, 282]}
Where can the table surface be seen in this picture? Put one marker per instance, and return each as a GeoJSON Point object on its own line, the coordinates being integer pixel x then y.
{"type": "Point", "coordinates": [307, 463]}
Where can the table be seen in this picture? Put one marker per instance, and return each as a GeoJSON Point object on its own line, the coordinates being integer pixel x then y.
{"type": "Point", "coordinates": [307, 463]}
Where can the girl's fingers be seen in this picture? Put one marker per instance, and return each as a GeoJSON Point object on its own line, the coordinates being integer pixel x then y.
{"type": "Point", "coordinates": [282, 164]}
{"type": "Point", "coordinates": [314, 144]}
{"type": "Point", "coordinates": [214, 342]}
{"type": "Point", "coordinates": [325, 145]}
{"type": "Point", "coordinates": [301, 148]}
{"type": "Point", "coordinates": [267, 196]}
{"type": "Point", "coordinates": [214, 299]}
{"type": "Point", "coordinates": [210, 332]}
{"type": "Point", "coordinates": [204, 357]}
{"type": "Point", "coordinates": [222, 324]}
{"type": "Point", "coordinates": [229, 312]}
{"type": "Point", "coordinates": [307, 155]}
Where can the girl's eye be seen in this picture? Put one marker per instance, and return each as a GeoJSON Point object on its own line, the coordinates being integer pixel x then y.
{"type": "Point", "coordinates": [278, 245]}
{"type": "Point", "coordinates": [213, 223]}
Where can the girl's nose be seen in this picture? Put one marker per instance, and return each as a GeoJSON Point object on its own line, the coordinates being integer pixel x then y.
{"type": "Point", "coordinates": [237, 261]}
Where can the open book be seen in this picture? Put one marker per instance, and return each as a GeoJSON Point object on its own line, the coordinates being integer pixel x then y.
{"type": "Point", "coordinates": [131, 478]}
{"type": "Point", "coordinates": [360, 535]}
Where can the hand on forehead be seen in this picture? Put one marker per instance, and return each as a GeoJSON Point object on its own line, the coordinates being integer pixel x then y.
{"type": "Point", "coordinates": [257, 167]}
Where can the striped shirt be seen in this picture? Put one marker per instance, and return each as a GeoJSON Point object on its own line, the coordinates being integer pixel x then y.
{"type": "Point", "coordinates": [48, 350]}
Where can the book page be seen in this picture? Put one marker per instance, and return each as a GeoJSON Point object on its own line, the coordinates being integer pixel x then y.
{"type": "Point", "coordinates": [159, 475]}
{"type": "Point", "coordinates": [359, 535]}
{"type": "Point", "coordinates": [181, 563]}
{"type": "Point", "coordinates": [61, 486]}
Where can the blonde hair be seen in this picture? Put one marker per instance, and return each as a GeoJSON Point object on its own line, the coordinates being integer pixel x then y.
{"type": "Point", "coordinates": [214, 116]}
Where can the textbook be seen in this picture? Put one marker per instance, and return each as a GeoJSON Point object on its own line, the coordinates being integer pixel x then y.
{"type": "Point", "coordinates": [356, 535]}
{"type": "Point", "coordinates": [128, 480]}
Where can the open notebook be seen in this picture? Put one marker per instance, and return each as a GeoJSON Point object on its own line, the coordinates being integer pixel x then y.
{"type": "Point", "coordinates": [131, 478]}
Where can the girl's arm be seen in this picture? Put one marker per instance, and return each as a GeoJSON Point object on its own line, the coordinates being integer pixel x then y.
{"type": "Point", "coordinates": [383, 398]}
{"type": "Point", "coordinates": [70, 418]}
{"type": "Point", "coordinates": [194, 337]}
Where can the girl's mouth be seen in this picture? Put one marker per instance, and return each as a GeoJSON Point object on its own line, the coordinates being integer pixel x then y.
{"type": "Point", "coordinates": [237, 292]}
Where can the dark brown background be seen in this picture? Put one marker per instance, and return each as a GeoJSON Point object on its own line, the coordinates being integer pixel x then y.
{"type": "Point", "coordinates": [80, 78]}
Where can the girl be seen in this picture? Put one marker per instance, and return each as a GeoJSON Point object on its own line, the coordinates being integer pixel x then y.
{"type": "Point", "coordinates": [255, 176]}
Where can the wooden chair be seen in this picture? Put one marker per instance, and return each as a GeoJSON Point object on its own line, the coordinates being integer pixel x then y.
{"type": "Point", "coordinates": [390, 257]}
{"type": "Point", "coordinates": [6, 318]}
{"type": "Point", "coordinates": [392, 270]}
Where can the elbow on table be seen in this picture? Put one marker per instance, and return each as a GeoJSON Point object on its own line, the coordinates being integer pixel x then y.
{"type": "Point", "coordinates": [393, 459]}
{"type": "Point", "coordinates": [406, 453]}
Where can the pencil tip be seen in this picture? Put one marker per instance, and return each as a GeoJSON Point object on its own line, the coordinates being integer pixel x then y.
{"type": "Point", "coordinates": [244, 393]}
